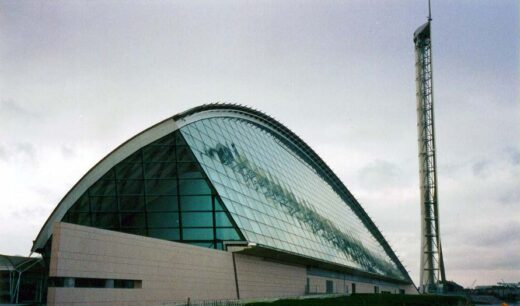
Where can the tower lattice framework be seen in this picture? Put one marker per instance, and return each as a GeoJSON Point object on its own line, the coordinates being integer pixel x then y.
{"type": "Point", "coordinates": [432, 266]}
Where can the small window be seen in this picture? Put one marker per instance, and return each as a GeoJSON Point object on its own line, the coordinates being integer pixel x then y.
{"type": "Point", "coordinates": [89, 283]}
{"type": "Point", "coordinates": [80, 282]}
{"type": "Point", "coordinates": [329, 286]}
{"type": "Point", "coordinates": [353, 288]}
{"type": "Point", "coordinates": [376, 289]}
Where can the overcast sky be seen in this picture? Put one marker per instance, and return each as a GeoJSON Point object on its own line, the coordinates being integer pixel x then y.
{"type": "Point", "coordinates": [78, 78]}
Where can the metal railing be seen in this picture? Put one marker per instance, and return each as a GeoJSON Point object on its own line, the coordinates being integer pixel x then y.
{"type": "Point", "coordinates": [189, 302]}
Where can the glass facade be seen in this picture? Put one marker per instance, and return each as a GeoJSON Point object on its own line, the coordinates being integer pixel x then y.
{"type": "Point", "coordinates": [159, 191]}
{"type": "Point", "coordinates": [280, 201]}
{"type": "Point", "coordinates": [227, 178]}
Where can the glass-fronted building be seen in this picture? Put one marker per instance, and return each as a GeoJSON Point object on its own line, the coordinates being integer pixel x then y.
{"type": "Point", "coordinates": [224, 175]}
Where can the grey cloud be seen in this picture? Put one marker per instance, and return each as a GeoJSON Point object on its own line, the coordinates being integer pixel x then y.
{"type": "Point", "coordinates": [379, 173]}
{"type": "Point", "coordinates": [480, 168]}
{"type": "Point", "coordinates": [67, 151]}
{"type": "Point", "coordinates": [3, 153]}
{"type": "Point", "coordinates": [483, 167]}
{"type": "Point", "coordinates": [506, 234]}
{"type": "Point", "coordinates": [482, 261]}
{"type": "Point", "coordinates": [510, 198]}
{"type": "Point", "coordinates": [47, 194]}
{"type": "Point", "coordinates": [29, 213]}
{"type": "Point", "coordinates": [11, 108]}
{"type": "Point", "coordinates": [486, 249]}
{"type": "Point", "coordinates": [514, 155]}
{"type": "Point", "coordinates": [25, 149]}
{"type": "Point", "coordinates": [19, 150]}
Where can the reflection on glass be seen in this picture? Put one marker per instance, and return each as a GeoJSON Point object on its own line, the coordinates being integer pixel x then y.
{"type": "Point", "coordinates": [278, 199]}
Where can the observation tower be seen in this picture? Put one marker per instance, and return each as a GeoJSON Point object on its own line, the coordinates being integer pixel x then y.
{"type": "Point", "coordinates": [432, 265]}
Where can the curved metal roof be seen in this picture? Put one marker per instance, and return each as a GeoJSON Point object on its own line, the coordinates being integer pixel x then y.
{"type": "Point", "coordinates": [204, 111]}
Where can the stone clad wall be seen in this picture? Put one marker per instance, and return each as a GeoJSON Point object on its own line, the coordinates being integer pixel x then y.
{"type": "Point", "coordinates": [261, 278]}
{"type": "Point", "coordinates": [169, 271]}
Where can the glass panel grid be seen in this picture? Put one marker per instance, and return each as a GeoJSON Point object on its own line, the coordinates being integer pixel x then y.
{"type": "Point", "coordinates": [159, 191]}
{"type": "Point", "coordinates": [260, 180]}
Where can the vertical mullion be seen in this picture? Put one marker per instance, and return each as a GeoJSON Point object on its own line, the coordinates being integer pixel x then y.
{"type": "Point", "coordinates": [89, 208]}
{"type": "Point", "coordinates": [214, 221]}
{"type": "Point", "coordinates": [179, 209]}
{"type": "Point", "coordinates": [144, 195]}
{"type": "Point", "coordinates": [117, 198]}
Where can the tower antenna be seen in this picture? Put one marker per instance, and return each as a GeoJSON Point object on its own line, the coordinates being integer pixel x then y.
{"type": "Point", "coordinates": [429, 11]}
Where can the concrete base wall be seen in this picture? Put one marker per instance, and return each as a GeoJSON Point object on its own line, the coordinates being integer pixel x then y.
{"type": "Point", "coordinates": [168, 271]}
{"type": "Point", "coordinates": [261, 278]}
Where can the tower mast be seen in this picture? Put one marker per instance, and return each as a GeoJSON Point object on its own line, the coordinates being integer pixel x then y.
{"type": "Point", "coordinates": [432, 265]}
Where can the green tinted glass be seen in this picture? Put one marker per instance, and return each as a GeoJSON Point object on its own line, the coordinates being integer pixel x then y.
{"type": "Point", "coordinates": [197, 219]}
{"type": "Point", "coordinates": [197, 234]}
{"type": "Point", "coordinates": [82, 205]}
{"type": "Point", "coordinates": [165, 233]}
{"type": "Point", "coordinates": [279, 198]}
{"type": "Point", "coordinates": [103, 204]}
{"type": "Point", "coordinates": [131, 203]}
{"type": "Point", "coordinates": [133, 220]}
{"type": "Point", "coordinates": [160, 170]}
{"type": "Point", "coordinates": [152, 194]}
{"type": "Point", "coordinates": [163, 219]}
{"type": "Point", "coordinates": [162, 203]}
{"type": "Point", "coordinates": [194, 203]}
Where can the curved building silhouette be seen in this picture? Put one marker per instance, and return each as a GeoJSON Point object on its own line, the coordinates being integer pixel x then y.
{"type": "Point", "coordinates": [218, 202]}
